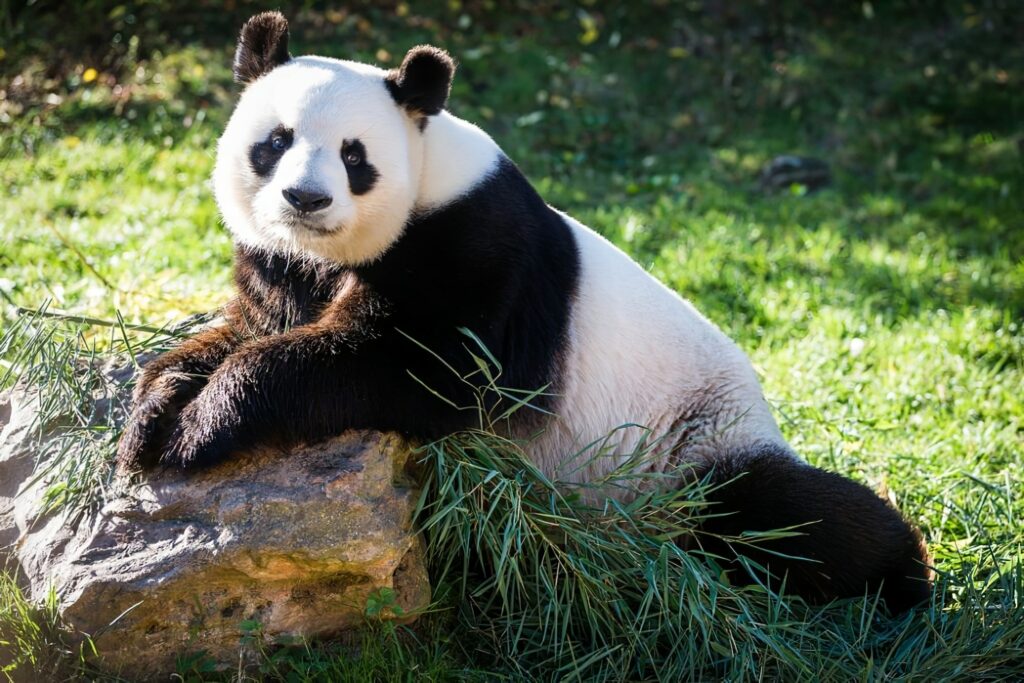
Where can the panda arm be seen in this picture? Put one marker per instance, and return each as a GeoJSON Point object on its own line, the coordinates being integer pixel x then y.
{"type": "Point", "coordinates": [166, 385]}
{"type": "Point", "coordinates": [348, 370]}
{"type": "Point", "coordinates": [301, 386]}
{"type": "Point", "coordinates": [270, 296]}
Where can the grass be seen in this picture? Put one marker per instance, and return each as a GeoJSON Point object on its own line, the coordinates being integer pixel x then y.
{"type": "Point", "coordinates": [883, 313]}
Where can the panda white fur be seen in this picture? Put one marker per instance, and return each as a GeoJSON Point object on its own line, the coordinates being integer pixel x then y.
{"type": "Point", "coordinates": [371, 225]}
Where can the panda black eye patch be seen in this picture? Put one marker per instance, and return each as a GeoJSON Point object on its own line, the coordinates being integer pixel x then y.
{"type": "Point", "coordinates": [263, 156]}
{"type": "Point", "coordinates": [361, 174]}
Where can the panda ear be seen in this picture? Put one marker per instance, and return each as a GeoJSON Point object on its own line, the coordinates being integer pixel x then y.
{"type": "Point", "coordinates": [262, 45]}
{"type": "Point", "coordinates": [422, 83]}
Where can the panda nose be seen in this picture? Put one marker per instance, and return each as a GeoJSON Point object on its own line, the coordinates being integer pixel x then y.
{"type": "Point", "coordinates": [307, 201]}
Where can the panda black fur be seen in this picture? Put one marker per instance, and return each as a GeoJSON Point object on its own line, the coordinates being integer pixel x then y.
{"type": "Point", "coordinates": [371, 225]}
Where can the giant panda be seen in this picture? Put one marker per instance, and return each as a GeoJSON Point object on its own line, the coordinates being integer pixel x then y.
{"type": "Point", "coordinates": [375, 232]}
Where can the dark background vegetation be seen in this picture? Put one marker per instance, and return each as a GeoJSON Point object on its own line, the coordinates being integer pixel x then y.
{"type": "Point", "coordinates": [846, 75]}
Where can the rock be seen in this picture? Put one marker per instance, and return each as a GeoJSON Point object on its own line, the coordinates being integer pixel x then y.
{"type": "Point", "coordinates": [174, 564]}
{"type": "Point", "coordinates": [17, 417]}
{"type": "Point", "coordinates": [784, 172]}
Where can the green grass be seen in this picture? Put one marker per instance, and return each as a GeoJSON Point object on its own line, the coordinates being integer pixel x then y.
{"type": "Point", "coordinates": [32, 641]}
{"type": "Point", "coordinates": [884, 313]}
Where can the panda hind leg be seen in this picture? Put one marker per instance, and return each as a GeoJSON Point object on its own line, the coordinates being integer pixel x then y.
{"type": "Point", "coordinates": [847, 541]}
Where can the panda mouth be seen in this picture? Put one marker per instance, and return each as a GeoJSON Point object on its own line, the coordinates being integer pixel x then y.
{"type": "Point", "coordinates": [297, 222]}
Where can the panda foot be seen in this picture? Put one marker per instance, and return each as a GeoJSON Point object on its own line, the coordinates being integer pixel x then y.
{"type": "Point", "coordinates": [845, 541]}
{"type": "Point", "coordinates": [157, 403]}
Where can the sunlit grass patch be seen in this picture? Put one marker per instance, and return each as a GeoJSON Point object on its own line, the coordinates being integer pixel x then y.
{"type": "Point", "coordinates": [32, 642]}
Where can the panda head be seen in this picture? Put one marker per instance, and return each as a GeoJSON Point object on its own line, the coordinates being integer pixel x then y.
{"type": "Point", "coordinates": [324, 157]}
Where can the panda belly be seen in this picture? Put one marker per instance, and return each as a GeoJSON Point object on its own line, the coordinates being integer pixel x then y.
{"type": "Point", "coordinates": [642, 365]}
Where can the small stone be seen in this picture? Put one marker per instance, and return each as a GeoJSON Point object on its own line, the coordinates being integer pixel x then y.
{"type": "Point", "coordinates": [789, 171]}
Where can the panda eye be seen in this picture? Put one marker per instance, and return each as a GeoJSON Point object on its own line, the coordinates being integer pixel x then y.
{"type": "Point", "coordinates": [279, 142]}
{"type": "Point", "coordinates": [351, 156]}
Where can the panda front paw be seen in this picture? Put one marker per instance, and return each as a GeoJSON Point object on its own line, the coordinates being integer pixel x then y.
{"type": "Point", "coordinates": [159, 398]}
{"type": "Point", "coordinates": [206, 433]}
